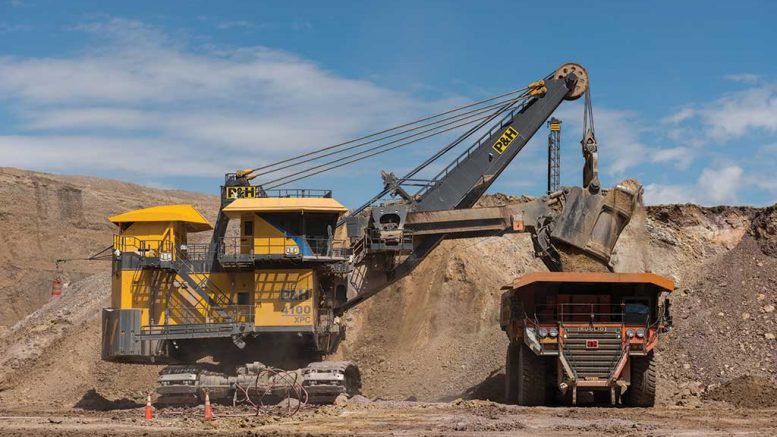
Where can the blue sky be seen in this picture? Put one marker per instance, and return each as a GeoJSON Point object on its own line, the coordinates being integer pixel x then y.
{"type": "Point", "coordinates": [176, 93]}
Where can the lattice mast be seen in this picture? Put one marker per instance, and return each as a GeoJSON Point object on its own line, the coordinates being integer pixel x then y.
{"type": "Point", "coordinates": [554, 155]}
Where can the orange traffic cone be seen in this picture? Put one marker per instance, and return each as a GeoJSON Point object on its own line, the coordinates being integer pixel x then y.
{"type": "Point", "coordinates": [56, 288]}
{"type": "Point", "coordinates": [208, 408]}
{"type": "Point", "coordinates": [149, 409]}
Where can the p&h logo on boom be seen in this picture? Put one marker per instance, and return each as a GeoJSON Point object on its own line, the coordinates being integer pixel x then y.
{"type": "Point", "coordinates": [505, 140]}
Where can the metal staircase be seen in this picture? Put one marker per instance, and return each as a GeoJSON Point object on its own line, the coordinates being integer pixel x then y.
{"type": "Point", "coordinates": [216, 299]}
{"type": "Point", "coordinates": [211, 315]}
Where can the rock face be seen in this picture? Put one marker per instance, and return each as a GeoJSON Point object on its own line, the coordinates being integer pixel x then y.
{"type": "Point", "coordinates": [45, 217]}
{"type": "Point", "coordinates": [434, 335]}
{"type": "Point", "coordinates": [50, 350]}
{"type": "Point", "coordinates": [724, 329]}
{"type": "Point", "coordinates": [764, 230]}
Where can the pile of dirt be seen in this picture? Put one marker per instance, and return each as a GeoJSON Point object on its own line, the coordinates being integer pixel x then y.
{"type": "Point", "coordinates": [746, 392]}
{"type": "Point", "coordinates": [501, 199]}
{"type": "Point", "coordinates": [724, 314]}
{"type": "Point", "coordinates": [29, 338]}
{"type": "Point", "coordinates": [45, 217]}
{"type": "Point", "coordinates": [52, 359]}
{"type": "Point", "coordinates": [436, 333]}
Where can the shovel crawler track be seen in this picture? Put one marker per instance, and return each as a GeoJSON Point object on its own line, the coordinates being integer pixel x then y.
{"type": "Point", "coordinates": [257, 384]}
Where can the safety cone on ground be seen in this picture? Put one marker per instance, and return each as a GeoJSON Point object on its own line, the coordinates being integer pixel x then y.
{"type": "Point", "coordinates": [56, 288]}
{"type": "Point", "coordinates": [149, 408]}
{"type": "Point", "coordinates": [208, 408]}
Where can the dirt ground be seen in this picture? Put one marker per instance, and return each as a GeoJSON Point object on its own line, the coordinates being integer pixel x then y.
{"type": "Point", "coordinates": [470, 418]}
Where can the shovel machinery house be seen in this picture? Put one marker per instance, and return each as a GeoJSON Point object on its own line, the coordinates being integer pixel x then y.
{"type": "Point", "coordinates": [283, 265]}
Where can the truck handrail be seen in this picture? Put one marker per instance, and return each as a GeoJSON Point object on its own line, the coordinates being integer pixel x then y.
{"type": "Point", "coordinates": [559, 313]}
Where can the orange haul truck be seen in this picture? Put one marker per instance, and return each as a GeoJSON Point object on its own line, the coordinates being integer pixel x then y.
{"type": "Point", "coordinates": [584, 332]}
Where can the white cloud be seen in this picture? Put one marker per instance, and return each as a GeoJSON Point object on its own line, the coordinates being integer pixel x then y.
{"type": "Point", "coordinates": [246, 25]}
{"type": "Point", "coordinates": [769, 148]}
{"type": "Point", "coordinates": [621, 148]}
{"type": "Point", "coordinates": [12, 28]}
{"type": "Point", "coordinates": [96, 117]}
{"type": "Point", "coordinates": [659, 194]}
{"type": "Point", "coordinates": [84, 154]}
{"type": "Point", "coordinates": [748, 78]}
{"type": "Point", "coordinates": [680, 116]}
{"type": "Point", "coordinates": [735, 114]}
{"type": "Point", "coordinates": [720, 185]}
{"type": "Point", "coordinates": [682, 157]}
{"type": "Point", "coordinates": [714, 186]}
{"type": "Point", "coordinates": [240, 24]}
{"type": "Point", "coordinates": [208, 109]}
{"type": "Point", "coordinates": [766, 183]}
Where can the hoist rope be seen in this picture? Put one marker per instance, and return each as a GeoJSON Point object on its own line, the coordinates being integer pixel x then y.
{"type": "Point", "coordinates": [339, 163]}
{"type": "Point", "coordinates": [588, 114]}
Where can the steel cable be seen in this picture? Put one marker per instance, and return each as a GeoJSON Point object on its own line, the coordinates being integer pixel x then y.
{"type": "Point", "coordinates": [437, 123]}
{"type": "Point", "coordinates": [293, 387]}
{"type": "Point", "coordinates": [327, 166]}
{"type": "Point", "coordinates": [296, 177]}
{"type": "Point", "coordinates": [335, 146]}
{"type": "Point", "coordinates": [461, 122]}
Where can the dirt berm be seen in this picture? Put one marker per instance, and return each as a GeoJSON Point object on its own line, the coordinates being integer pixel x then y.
{"type": "Point", "coordinates": [435, 334]}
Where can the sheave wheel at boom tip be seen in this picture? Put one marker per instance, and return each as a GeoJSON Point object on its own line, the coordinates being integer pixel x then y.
{"type": "Point", "coordinates": [582, 79]}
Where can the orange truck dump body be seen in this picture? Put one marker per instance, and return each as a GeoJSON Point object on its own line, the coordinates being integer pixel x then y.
{"type": "Point", "coordinates": [584, 331]}
{"type": "Point", "coordinates": [592, 278]}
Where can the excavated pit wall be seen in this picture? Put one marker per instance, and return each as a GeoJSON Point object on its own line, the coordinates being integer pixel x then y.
{"type": "Point", "coordinates": [45, 217]}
